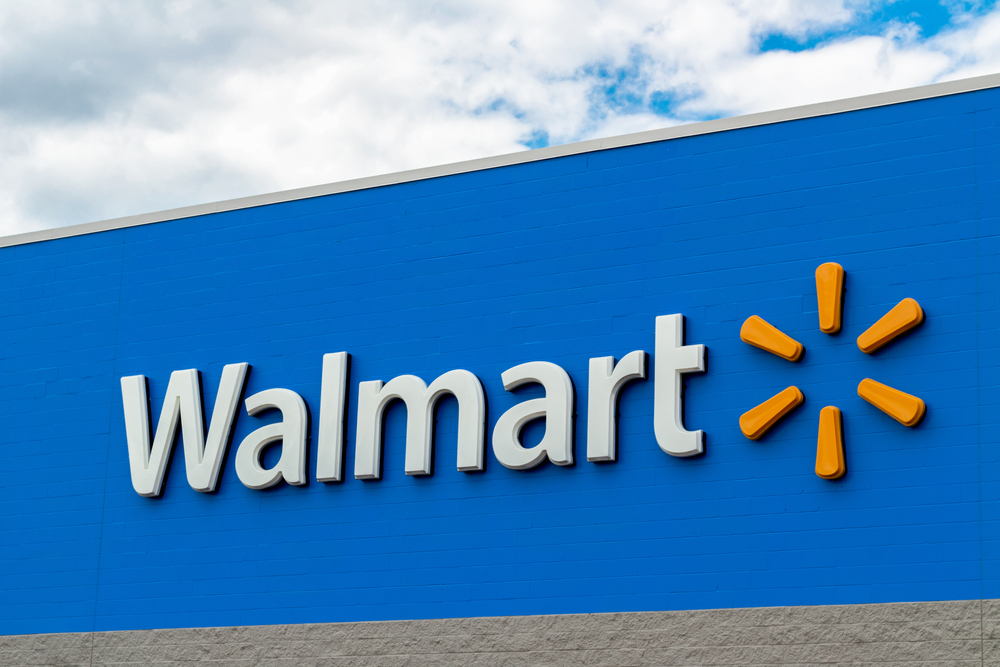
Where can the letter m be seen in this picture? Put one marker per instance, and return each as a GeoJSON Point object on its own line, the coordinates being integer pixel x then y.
{"type": "Point", "coordinates": [420, 400]}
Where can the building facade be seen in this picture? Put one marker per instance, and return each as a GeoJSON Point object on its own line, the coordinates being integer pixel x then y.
{"type": "Point", "coordinates": [719, 394]}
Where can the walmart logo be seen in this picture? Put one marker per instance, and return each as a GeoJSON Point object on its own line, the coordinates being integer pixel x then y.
{"type": "Point", "coordinates": [205, 454]}
{"type": "Point", "coordinates": [906, 409]}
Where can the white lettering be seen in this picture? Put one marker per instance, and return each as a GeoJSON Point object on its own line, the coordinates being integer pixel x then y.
{"type": "Point", "coordinates": [203, 456]}
{"type": "Point", "coordinates": [673, 359]}
{"type": "Point", "coordinates": [606, 381]}
{"type": "Point", "coordinates": [291, 431]}
{"type": "Point", "coordinates": [333, 397]}
{"type": "Point", "coordinates": [420, 400]}
{"type": "Point", "coordinates": [556, 408]}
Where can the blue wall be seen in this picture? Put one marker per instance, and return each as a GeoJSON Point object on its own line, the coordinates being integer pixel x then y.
{"type": "Point", "coordinates": [560, 260]}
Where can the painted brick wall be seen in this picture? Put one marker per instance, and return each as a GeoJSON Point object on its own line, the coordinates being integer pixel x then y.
{"type": "Point", "coordinates": [560, 261]}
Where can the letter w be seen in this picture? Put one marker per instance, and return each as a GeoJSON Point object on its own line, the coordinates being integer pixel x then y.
{"type": "Point", "coordinates": [202, 457]}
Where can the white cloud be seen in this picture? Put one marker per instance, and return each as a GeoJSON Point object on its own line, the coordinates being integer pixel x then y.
{"type": "Point", "coordinates": [111, 109]}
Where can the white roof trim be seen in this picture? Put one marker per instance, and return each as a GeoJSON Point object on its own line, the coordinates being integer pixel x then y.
{"type": "Point", "coordinates": [650, 136]}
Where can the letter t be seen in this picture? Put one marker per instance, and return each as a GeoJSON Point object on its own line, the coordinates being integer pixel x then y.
{"type": "Point", "coordinates": [674, 358]}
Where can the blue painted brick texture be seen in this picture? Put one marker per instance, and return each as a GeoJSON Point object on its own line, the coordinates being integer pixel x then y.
{"type": "Point", "coordinates": [559, 260]}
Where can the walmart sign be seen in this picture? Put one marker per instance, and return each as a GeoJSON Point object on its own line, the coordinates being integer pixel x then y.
{"type": "Point", "coordinates": [204, 454]}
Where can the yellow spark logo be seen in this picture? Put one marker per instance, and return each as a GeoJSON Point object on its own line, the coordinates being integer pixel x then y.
{"type": "Point", "coordinates": [906, 409]}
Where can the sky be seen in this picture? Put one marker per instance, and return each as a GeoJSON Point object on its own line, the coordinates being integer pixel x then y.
{"type": "Point", "coordinates": [109, 109]}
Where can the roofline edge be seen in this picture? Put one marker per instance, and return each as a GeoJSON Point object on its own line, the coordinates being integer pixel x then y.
{"type": "Point", "coordinates": [522, 157]}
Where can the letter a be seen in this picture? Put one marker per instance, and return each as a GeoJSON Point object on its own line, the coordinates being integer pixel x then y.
{"type": "Point", "coordinates": [556, 408]}
{"type": "Point", "coordinates": [291, 431]}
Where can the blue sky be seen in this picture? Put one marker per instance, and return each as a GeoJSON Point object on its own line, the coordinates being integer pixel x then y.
{"type": "Point", "coordinates": [929, 17]}
{"type": "Point", "coordinates": [113, 108]}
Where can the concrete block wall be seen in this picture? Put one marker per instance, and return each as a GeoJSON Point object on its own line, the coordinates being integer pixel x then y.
{"type": "Point", "coordinates": [942, 634]}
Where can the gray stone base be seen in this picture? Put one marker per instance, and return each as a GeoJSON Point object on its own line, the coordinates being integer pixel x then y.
{"type": "Point", "coordinates": [916, 634]}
